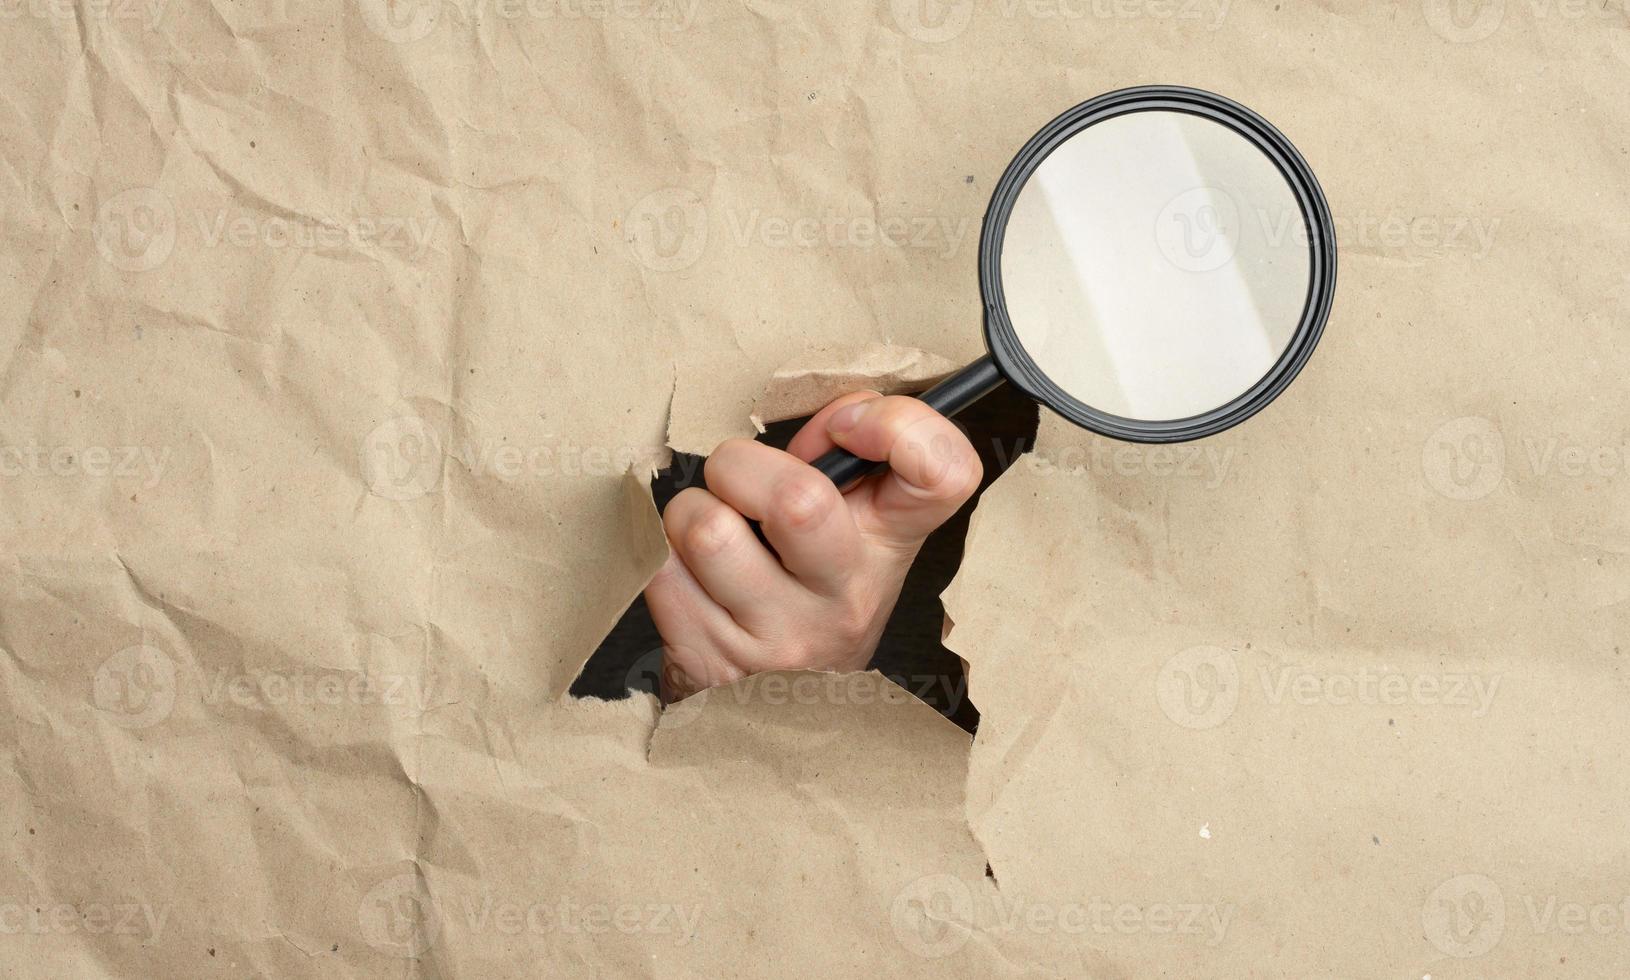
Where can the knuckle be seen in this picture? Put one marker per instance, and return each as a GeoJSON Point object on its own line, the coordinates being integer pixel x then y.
{"type": "Point", "coordinates": [711, 533]}
{"type": "Point", "coordinates": [723, 456]}
{"type": "Point", "coordinates": [947, 466]}
{"type": "Point", "coordinates": [674, 516]}
{"type": "Point", "coordinates": [734, 446]}
{"type": "Point", "coordinates": [897, 413]}
{"type": "Point", "coordinates": [686, 501]}
{"type": "Point", "coordinates": [681, 511]}
{"type": "Point", "coordinates": [851, 627]}
{"type": "Point", "coordinates": [852, 615]}
{"type": "Point", "coordinates": [804, 500]}
{"type": "Point", "coordinates": [960, 477]}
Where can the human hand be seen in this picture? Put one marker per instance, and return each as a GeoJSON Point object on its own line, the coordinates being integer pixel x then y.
{"type": "Point", "coordinates": [728, 606]}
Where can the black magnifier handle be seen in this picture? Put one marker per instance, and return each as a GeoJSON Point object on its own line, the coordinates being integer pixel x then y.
{"type": "Point", "coordinates": [948, 398]}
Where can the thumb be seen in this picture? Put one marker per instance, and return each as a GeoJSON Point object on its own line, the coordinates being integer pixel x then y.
{"type": "Point", "coordinates": [933, 469]}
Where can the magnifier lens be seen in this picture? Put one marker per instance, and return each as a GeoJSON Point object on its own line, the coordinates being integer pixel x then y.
{"type": "Point", "coordinates": [1156, 265]}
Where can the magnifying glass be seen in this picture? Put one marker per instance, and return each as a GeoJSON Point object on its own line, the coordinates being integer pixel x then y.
{"type": "Point", "coordinates": [1156, 264]}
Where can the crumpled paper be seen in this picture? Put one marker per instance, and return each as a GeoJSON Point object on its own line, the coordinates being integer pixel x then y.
{"type": "Point", "coordinates": [802, 388]}
{"type": "Point", "coordinates": [339, 340]}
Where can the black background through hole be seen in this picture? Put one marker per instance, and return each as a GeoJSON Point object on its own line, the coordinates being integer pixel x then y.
{"type": "Point", "coordinates": [1001, 426]}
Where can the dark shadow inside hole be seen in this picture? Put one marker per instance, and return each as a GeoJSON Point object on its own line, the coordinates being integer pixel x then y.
{"type": "Point", "coordinates": [1001, 426]}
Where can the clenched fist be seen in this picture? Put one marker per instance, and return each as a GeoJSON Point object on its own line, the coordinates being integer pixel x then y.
{"type": "Point", "coordinates": [728, 606]}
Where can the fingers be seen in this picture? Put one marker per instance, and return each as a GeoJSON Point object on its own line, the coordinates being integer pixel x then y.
{"type": "Point", "coordinates": [802, 513]}
{"type": "Point", "coordinates": [683, 612]}
{"type": "Point", "coordinates": [723, 555]}
{"type": "Point", "coordinates": [812, 441]}
{"type": "Point", "coordinates": [933, 469]}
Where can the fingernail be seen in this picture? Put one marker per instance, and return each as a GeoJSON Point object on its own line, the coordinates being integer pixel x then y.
{"type": "Point", "coordinates": [847, 417]}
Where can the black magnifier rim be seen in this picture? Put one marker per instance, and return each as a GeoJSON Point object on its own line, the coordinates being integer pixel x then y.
{"type": "Point", "coordinates": [1003, 342]}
